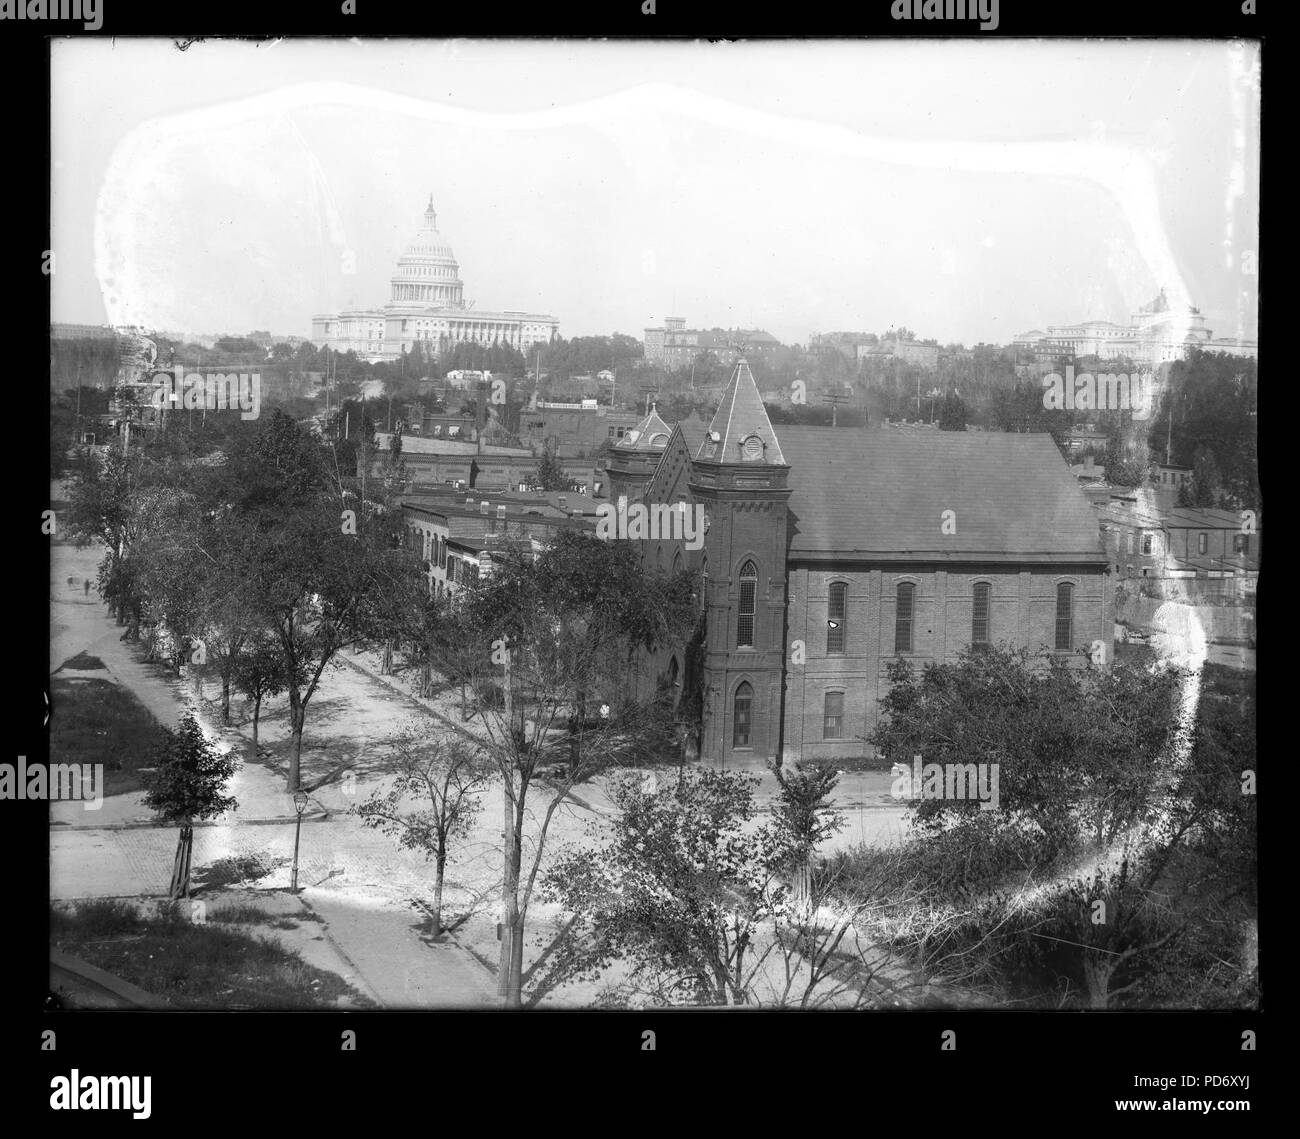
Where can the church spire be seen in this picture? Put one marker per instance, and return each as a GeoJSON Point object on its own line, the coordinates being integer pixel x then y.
{"type": "Point", "coordinates": [741, 431]}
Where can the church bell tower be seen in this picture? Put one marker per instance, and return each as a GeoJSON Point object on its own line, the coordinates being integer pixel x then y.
{"type": "Point", "coordinates": [741, 477]}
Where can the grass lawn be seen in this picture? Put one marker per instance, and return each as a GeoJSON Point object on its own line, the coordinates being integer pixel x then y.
{"type": "Point", "coordinates": [97, 721]}
{"type": "Point", "coordinates": [197, 966]}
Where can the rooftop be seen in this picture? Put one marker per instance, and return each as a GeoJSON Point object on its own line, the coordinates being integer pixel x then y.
{"type": "Point", "coordinates": [881, 494]}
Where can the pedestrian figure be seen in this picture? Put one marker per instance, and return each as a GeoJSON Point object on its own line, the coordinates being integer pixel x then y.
{"type": "Point", "coordinates": [72, 581]}
{"type": "Point", "coordinates": [86, 592]}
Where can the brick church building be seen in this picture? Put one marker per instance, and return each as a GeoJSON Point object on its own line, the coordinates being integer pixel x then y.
{"type": "Point", "coordinates": [829, 553]}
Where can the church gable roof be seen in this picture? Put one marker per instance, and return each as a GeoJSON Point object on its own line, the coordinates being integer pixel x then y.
{"type": "Point", "coordinates": [651, 434]}
{"type": "Point", "coordinates": [881, 494]}
{"type": "Point", "coordinates": [673, 472]}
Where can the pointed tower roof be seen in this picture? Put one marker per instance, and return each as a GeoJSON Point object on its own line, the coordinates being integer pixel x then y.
{"type": "Point", "coordinates": [651, 434]}
{"type": "Point", "coordinates": [741, 431]}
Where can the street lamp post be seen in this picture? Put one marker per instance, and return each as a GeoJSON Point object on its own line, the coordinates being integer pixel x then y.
{"type": "Point", "coordinates": [299, 805]}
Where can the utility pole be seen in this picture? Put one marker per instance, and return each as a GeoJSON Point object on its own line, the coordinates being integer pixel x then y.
{"type": "Point", "coordinates": [1169, 430]}
{"type": "Point", "coordinates": [507, 840]}
{"type": "Point", "coordinates": [835, 400]}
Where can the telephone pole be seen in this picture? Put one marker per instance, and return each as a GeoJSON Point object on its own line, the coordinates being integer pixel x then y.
{"type": "Point", "coordinates": [835, 400]}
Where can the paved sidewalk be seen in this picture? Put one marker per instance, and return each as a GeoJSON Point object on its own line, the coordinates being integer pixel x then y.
{"type": "Point", "coordinates": [357, 880]}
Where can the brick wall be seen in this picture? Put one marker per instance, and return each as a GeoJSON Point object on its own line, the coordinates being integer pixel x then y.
{"type": "Point", "coordinates": [1022, 613]}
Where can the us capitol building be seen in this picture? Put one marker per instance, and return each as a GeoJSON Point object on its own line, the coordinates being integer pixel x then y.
{"type": "Point", "coordinates": [427, 304]}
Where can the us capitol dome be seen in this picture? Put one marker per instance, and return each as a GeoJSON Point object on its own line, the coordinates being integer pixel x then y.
{"type": "Point", "coordinates": [427, 304]}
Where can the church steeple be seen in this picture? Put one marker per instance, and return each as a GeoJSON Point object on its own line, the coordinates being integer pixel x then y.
{"type": "Point", "coordinates": [741, 478]}
{"type": "Point", "coordinates": [741, 431]}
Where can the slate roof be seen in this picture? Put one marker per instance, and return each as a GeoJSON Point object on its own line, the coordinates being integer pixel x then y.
{"type": "Point", "coordinates": [879, 494]}
{"type": "Point", "coordinates": [643, 436]}
{"type": "Point", "coordinates": [1202, 518]}
{"type": "Point", "coordinates": [693, 431]}
{"type": "Point", "coordinates": [739, 415]}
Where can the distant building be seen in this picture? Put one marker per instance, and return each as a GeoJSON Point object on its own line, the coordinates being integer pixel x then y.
{"type": "Point", "coordinates": [1169, 480]}
{"type": "Point", "coordinates": [59, 331]}
{"type": "Point", "coordinates": [924, 355]}
{"type": "Point", "coordinates": [573, 428]}
{"type": "Point", "coordinates": [459, 543]}
{"type": "Point", "coordinates": [474, 465]}
{"type": "Point", "coordinates": [427, 306]}
{"type": "Point", "coordinates": [909, 351]}
{"type": "Point", "coordinates": [1156, 333]}
{"type": "Point", "coordinates": [675, 346]}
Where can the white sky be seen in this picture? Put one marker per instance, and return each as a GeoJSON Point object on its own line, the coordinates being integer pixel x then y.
{"type": "Point", "coordinates": [967, 189]}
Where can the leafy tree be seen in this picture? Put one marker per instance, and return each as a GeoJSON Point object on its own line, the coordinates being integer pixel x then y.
{"type": "Point", "coordinates": [259, 674]}
{"type": "Point", "coordinates": [188, 784]}
{"type": "Point", "coordinates": [952, 413]}
{"type": "Point", "coordinates": [1098, 775]}
{"type": "Point", "coordinates": [803, 817]}
{"type": "Point", "coordinates": [681, 889]}
{"type": "Point", "coordinates": [103, 506]}
{"type": "Point", "coordinates": [314, 586]}
{"type": "Point", "coordinates": [543, 643]}
{"type": "Point", "coordinates": [1123, 469]}
{"type": "Point", "coordinates": [1206, 480]}
{"type": "Point", "coordinates": [240, 346]}
{"type": "Point", "coordinates": [702, 903]}
{"type": "Point", "coordinates": [1076, 750]}
{"type": "Point", "coordinates": [445, 777]}
{"type": "Point", "coordinates": [550, 475]}
{"type": "Point", "coordinates": [318, 565]}
{"type": "Point", "coordinates": [1211, 401]}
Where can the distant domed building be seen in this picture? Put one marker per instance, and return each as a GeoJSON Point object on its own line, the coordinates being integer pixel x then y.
{"type": "Point", "coordinates": [426, 304]}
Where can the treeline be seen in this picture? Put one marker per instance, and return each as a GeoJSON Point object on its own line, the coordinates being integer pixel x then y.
{"type": "Point", "coordinates": [1209, 420]}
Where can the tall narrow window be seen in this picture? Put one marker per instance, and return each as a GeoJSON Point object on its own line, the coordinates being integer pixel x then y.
{"type": "Point", "coordinates": [833, 716]}
{"type": "Point", "coordinates": [903, 617]}
{"type": "Point", "coordinates": [979, 622]}
{"type": "Point", "coordinates": [1065, 615]}
{"type": "Point", "coordinates": [740, 715]}
{"type": "Point", "coordinates": [677, 563]}
{"type": "Point", "coordinates": [836, 608]}
{"type": "Point", "coordinates": [1146, 543]}
{"type": "Point", "coordinates": [1202, 543]}
{"type": "Point", "coordinates": [748, 592]}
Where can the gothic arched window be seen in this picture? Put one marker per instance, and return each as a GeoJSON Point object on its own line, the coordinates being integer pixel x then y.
{"type": "Point", "coordinates": [1064, 615]}
{"type": "Point", "coordinates": [748, 596]}
{"type": "Point", "coordinates": [836, 612]}
{"type": "Point", "coordinates": [979, 621]}
{"type": "Point", "coordinates": [903, 610]}
{"type": "Point", "coordinates": [742, 707]}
